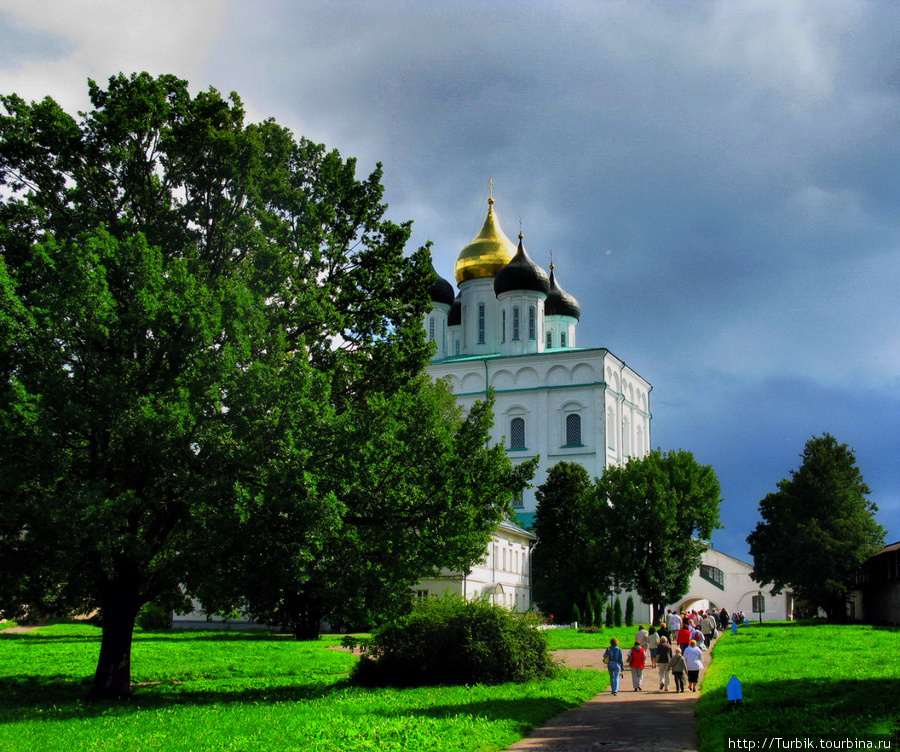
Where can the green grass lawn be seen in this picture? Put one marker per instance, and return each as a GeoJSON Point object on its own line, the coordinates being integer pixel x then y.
{"type": "Point", "coordinates": [803, 679]}
{"type": "Point", "coordinates": [250, 691]}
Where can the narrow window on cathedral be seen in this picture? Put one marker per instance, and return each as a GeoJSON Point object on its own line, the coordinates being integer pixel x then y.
{"type": "Point", "coordinates": [456, 342]}
{"type": "Point", "coordinates": [444, 336]}
{"type": "Point", "coordinates": [562, 339]}
{"type": "Point", "coordinates": [573, 429]}
{"type": "Point", "coordinates": [532, 323]}
{"type": "Point", "coordinates": [481, 323]}
{"type": "Point", "coordinates": [518, 500]}
{"type": "Point", "coordinates": [465, 324]}
{"type": "Point", "coordinates": [431, 328]}
{"type": "Point", "coordinates": [517, 433]}
{"type": "Point", "coordinates": [515, 332]}
{"type": "Point", "coordinates": [549, 340]}
{"type": "Point", "coordinates": [611, 428]}
{"type": "Point", "coordinates": [503, 326]}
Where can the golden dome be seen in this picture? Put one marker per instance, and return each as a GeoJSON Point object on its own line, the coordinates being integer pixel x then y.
{"type": "Point", "coordinates": [488, 253]}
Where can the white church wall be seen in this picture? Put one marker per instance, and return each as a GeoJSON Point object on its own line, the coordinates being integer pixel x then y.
{"type": "Point", "coordinates": [736, 593]}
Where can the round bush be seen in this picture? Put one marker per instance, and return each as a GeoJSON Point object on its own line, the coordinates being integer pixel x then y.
{"type": "Point", "coordinates": [450, 641]}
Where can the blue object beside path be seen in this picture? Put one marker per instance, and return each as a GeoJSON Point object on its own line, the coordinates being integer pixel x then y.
{"type": "Point", "coordinates": [734, 690]}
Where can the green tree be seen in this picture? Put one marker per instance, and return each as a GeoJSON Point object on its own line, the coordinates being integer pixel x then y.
{"type": "Point", "coordinates": [420, 489]}
{"type": "Point", "coordinates": [609, 619]}
{"type": "Point", "coordinates": [566, 562]}
{"type": "Point", "coordinates": [663, 508]}
{"type": "Point", "coordinates": [617, 612]}
{"type": "Point", "coordinates": [197, 319]}
{"type": "Point", "coordinates": [629, 611]}
{"type": "Point", "coordinates": [817, 528]}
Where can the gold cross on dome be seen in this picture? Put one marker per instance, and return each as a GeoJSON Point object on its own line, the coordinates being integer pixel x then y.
{"type": "Point", "coordinates": [491, 186]}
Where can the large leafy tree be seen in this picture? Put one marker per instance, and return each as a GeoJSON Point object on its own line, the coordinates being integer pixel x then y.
{"type": "Point", "coordinates": [571, 559]}
{"type": "Point", "coordinates": [817, 528]}
{"type": "Point", "coordinates": [419, 489]}
{"type": "Point", "coordinates": [663, 508]}
{"type": "Point", "coordinates": [197, 317]}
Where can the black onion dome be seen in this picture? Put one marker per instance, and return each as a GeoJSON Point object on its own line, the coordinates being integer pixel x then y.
{"type": "Point", "coordinates": [441, 291]}
{"type": "Point", "coordinates": [521, 274]}
{"type": "Point", "coordinates": [559, 302]}
{"type": "Point", "coordinates": [454, 318]}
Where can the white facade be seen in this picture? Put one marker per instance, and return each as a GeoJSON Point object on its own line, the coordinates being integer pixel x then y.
{"type": "Point", "coordinates": [571, 405]}
{"type": "Point", "coordinates": [503, 576]}
{"type": "Point", "coordinates": [723, 581]}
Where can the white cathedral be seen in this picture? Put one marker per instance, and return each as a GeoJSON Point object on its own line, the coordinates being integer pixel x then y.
{"type": "Point", "coordinates": [512, 328]}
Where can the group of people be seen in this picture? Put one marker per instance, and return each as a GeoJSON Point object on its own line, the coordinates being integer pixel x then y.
{"type": "Point", "coordinates": [674, 647]}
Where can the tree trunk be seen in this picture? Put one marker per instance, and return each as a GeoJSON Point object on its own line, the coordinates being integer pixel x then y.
{"type": "Point", "coordinates": [112, 680]}
{"type": "Point", "coordinates": [305, 614]}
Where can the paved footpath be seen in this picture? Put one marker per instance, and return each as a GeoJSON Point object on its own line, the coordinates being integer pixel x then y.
{"type": "Point", "coordinates": [647, 720]}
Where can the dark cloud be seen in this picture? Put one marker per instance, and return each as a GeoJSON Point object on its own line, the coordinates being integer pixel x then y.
{"type": "Point", "coordinates": [717, 181]}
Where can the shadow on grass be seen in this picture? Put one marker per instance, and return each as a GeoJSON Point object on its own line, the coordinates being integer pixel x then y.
{"type": "Point", "coordinates": [828, 706]}
{"type": "Point", "coordinates": [60, 698]}
{"type": "Point", "coordinates": [181, 636]}
{"type": "Point", "coordinates": [527, 712]}
{"type": "Point", "coordinates": [26, 698]}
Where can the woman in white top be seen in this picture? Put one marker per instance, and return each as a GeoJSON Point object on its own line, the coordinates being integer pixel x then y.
{"type": "Point", "coordinates": [693, 659]}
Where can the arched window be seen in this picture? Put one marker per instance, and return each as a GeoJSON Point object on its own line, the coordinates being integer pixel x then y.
{"type": "Point", "coordinates": [515, 323]}
{"type": "Point", "coordinates": [549, 340]}
{"type": "Point", "coordinates": [573, 429]}
{"type": "Point", "coordinates": [519, 500]}
{"type": "Point", "coordinates": [611, 428]}
{"type": "Point", "coordinates": [503, 325]}
{"type": "Point", "coordinates": [532, 323]}
{"type": "Point", "coordinates": [562, 339]}
{"type": "Point", "coordinates": [517, 433]}
{"type": "Point", "coordinates": [431, 328]}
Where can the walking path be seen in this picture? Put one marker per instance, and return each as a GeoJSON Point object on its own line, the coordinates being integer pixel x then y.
{"type": "Point", "coordinates": [648, 720]}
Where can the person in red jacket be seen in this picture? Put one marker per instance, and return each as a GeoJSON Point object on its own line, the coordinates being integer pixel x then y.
{"type": "Point", "coordinates": [684, 636]}
{"type": "Point", "coordinates": [637, 659]}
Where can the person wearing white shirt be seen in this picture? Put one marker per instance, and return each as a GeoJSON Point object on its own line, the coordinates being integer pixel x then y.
{"type": "Point", "coordinates": [693, 659]}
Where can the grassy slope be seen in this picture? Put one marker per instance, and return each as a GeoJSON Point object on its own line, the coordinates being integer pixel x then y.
{"type": "Point", "coordinates": [228, 691]}
{"type": "Point", "coordinates": [803, 679]}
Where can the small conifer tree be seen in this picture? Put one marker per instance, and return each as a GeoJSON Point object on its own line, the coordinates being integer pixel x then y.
{"type": "Point", "coordinates": [617, 612]}
{"type": "Point", "coordinates": [629, 611]}
{"type": "Point", "coordinates": [609, 614]}
{"type": "Point", "coordinates": [576, 614]}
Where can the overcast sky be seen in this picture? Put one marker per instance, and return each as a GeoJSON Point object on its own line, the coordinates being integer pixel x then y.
{"type": "Point", "coordinates": [719, 182]}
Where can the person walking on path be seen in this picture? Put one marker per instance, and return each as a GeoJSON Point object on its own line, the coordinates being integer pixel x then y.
{"type": "Point", "coordinates": [684, 636]}
{"type": "Point", "coordinates": [653, 644]}
{"type": "Point", "coordinates": [642, 637]}
{"type": "Point", "coordinates": [663, 657]}
{"type": "Point", "coordinates": [637, 659]}
{"type": "Point", "coordinates": [677, 666]}
{"type": "Point", "coordinates": [693, 660]}
{"type": "Point", "coordinates": [615, 662]}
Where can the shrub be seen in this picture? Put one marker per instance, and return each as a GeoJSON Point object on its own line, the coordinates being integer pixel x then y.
{"type": "Point", "coordinates": [590, 612]}
{"type": "Point", "coordinates": [152, 616]}
{"type": "Point", "coordinates": [590, 630]}
{"type": "Point", "coordinates": [629, 611]}
{"type": "Point", "coordinates": [576, 613]}
{"type": "Point", "coordinates": [452, 641]}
